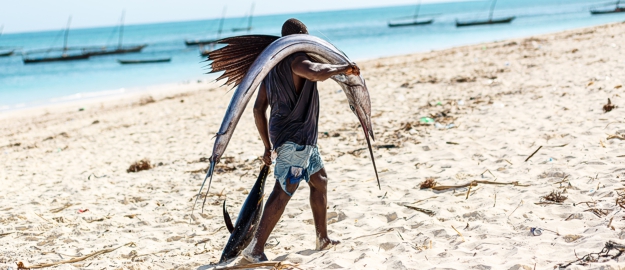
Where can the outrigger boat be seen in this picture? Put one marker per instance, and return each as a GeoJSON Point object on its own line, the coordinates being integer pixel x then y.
{"type": "Point", "coordinates": [616, 9]}
{"type": "Point", "coordinates": [144, 61]}
{"type": "Point", "coordinates": [63, 57]}
{"type": "Point", "coordinates": [5, 53]}
{"type": "Point", "coordinates": [489, 21]}
{"type": "Point", "coordinates": [120, 49]}
{"type": "Point", "coordinates": [208, 41]}
{"type": "Point", "coordinates": [413, 22]}
{"type": "Point", "coordinates": [249, 23]}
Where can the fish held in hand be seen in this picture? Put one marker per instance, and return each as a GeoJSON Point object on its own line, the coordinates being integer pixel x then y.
{"type": "Point", "coordinates": [235, 60]}
{"type": "Point", "coordinates": [243, 231]}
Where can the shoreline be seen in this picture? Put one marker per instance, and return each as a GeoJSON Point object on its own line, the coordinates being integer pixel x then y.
{"type": "Point", "coordinates": [132, 92]}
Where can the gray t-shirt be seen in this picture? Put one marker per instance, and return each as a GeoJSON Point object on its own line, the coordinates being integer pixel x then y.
{"type": "Point", "coordinates": [293, 117]}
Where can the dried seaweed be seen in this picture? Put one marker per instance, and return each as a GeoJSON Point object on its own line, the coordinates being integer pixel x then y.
{"type": "Point", "coordinates": [56, 210]}
{"type": "Point", "coordinates": [428, 183]}
{"type": "Point", "coordinates": [616, 136]}
{"type": "Point", "coordinates": [608, 107]}
{"type": "Point", "coordinates": [140, 165]}
{"type": "Point", "coordinates": [598, 212]}
{"type": "Point", "coordinates": [555, 196]}
{"type": "Point", "coordinates": [620, 200]}
{"type": "Point", "coordinates": [273, 265]}
{"type": "Point", "coordinates": [422, 210]}
{"type": "Point", "coordinates": [476, 182]}
{"type": "Point", "coordinates": [594, 257]}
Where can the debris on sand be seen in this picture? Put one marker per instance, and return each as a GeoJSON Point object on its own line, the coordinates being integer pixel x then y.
{"type": "Point", "coordinates": [608, 107]}
{"type": "Point", "coordinates": [601, 256]}
{"type": "Point", "coordinates": [146, 100]}
{"type": "Point", "coordinates": [428, 183]}
{"type": "Point", "coordinates": [140, 165]}
{"type": "Point", "coordinates": [555, 197]}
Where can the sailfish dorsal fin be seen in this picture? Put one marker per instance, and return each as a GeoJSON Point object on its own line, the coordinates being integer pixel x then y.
{"type": "Point", "coordinates": [237, 56]}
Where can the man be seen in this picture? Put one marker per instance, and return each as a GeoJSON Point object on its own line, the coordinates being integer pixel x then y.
{"type": "Point", "coordinates": [290, 89]}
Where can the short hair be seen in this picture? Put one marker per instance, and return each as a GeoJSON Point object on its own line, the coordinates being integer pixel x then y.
{"type": "Point", "coordinates": [293, 26]}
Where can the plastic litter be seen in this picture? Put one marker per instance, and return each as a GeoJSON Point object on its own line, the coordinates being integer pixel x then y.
{"type": "Point", "coordinates": [426, 120]}
{"type": "Point", "coordinates": [536, 231]}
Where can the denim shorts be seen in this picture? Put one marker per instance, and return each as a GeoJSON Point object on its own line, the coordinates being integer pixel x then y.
{"type": "Point", "coordinates": [295, 163]}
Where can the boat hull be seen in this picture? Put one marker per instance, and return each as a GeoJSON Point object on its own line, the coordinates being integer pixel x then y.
{"type": "Point", "coordinates": [3, 54]}
{"type": "Point", "coordinates": [117, 51]}
{"type": "Point", "coordinates": [56, 59]}
{"type": "Point", "coordinates": [599, 12]}
{"type": "Point", "coordinates": [125, 62]}
{"type": "Point", "coordinates": [474, 23]}
{"type": "Point", "coordinates": [410, 23]}
{"type": "Point", "coordinates": [199, 42]}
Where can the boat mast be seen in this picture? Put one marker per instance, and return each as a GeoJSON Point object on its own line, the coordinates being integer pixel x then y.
{"type": "Point", "coordinates": [492, 8]}
{"type": "Point", "coordinates": [67, 34]}
{"type": "Point", "coordinates": [121, 29]}
{"type": "Point", "coordinates": [416, 13]}
{"type": "Point", "coordinates": [221, 22]}
{"type": "Point", "coordinates": [249, 24]}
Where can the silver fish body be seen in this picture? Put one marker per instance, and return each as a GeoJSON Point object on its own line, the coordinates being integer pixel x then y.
{"type": "Point", "coordinates": [318, 50]}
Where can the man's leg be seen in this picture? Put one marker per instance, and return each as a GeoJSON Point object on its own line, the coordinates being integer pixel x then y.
{"type": "Point", "coordinates": [318, 203]}
{"type": "Point", "coordinates": [276, 203]}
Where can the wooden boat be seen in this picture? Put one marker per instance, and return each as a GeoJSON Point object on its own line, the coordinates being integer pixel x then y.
{"type": "Point", "coordinates": [56, 59]}
{"type": "Point", "coordinates": [616, 9]}
{"type": "Point", "coordinates": [8, 53]}
{"type": "Point", "coordinates": [64, 56]}
{"type": "Point", "coordinates": [144, 61]}
{"type": "Point", "coordinates": [390, 24]}
{"type": "Point", "coordinates": [5, 53]}
{"type": "Point", "coordinates": [199, 42]}
{"type": "Point", "coordinates": [414, 20]}
{"type": "Point", "coordinates": [120, 49]}
{"type": "Point", "coordinates": [249, 23]}
{"type": "Point", "coordinates": [497, 21]}
{"type": "Point", "coordinates": [489, 21]}
{"type": "Point", "coordinates": [208, 41]}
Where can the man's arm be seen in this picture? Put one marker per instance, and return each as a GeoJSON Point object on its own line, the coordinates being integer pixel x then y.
{"type": "Point", "coordinates": [260, 117]}
{"type": "Point", "coordinates": [303, 67]}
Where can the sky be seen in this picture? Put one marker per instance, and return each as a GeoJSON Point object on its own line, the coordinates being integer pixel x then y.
{"type": "Point", "coordinates": [38, 15]}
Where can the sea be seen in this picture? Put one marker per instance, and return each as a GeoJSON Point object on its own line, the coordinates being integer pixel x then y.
{"type": "Point", "coordinates": [361, 33]}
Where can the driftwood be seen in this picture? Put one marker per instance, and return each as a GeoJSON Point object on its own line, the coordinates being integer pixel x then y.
{"type": "Point", "coordinates": [476, 182]}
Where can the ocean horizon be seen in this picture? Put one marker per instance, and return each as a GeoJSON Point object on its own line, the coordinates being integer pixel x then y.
{"type": "Point", "coordinates": [361, 33]}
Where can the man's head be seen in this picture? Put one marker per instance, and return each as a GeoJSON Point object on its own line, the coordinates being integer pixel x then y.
{"type": "Point", "coordinates": [293, 26]}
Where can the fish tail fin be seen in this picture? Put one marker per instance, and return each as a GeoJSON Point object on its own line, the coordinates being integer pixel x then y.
{"type": "Point", "coordinates": [227, 218]}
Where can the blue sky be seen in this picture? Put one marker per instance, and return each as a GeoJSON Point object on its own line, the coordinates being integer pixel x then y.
{"type": "Point", "coordinates": [37, 15]}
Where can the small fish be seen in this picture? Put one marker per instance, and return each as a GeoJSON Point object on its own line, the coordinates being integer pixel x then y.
{"type": "Point", "coordinates": [243, 231]}
{"type": "Point", "coordinates": [247, 76]}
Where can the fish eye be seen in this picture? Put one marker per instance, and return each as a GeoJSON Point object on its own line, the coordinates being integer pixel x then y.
{"type": "Point", "coordinates": [352, 108]}
{"type": "Point", "coordinates": [341, 78]}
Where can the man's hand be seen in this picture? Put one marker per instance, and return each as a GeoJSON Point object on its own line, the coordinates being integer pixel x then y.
{"type": "Point", "coordinates": [267, 157]}
{"type": "Point", "coordinates": [352, 70]}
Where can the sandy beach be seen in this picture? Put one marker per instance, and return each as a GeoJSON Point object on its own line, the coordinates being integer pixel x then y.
{"type": "Point", "coordinates": [469, 118]}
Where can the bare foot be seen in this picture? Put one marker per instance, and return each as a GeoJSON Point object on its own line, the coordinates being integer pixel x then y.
{"type": "Point", "coordinates": [326, 243]}
{"type": "Point", "coordinates": [249, 256]}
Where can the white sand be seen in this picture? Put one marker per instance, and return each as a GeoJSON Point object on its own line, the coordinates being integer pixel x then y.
{"type": "Point", "coordinates": [504, 100]}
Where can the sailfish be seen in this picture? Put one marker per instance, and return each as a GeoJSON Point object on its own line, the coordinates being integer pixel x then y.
{"type": "Point", "coordinates": [246, 60]}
